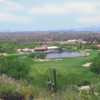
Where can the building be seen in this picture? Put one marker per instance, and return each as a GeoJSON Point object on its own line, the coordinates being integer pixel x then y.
{"type": "Point", "coordinates": [40, 49]}
{"type": "Point", "coordinates": [48, 39]}
{"type": "Point", "coordinates": [19, 50]}
{"type": "Point", "coordinates": [44, 48]}
{"type": "Point", "coordinates": [25, 50]}
{"type": "Point", "coordinates": [52, 48]}
{"type": "Point", "coordinates": [75, 41]}
{"type": "Point", "coordinates": [84, 42]}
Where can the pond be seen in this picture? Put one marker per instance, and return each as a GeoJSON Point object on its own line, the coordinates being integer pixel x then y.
{"type": "Point", "coordinates": [64, 54]}
{"type": "Point", "coordinates": [61, 54]}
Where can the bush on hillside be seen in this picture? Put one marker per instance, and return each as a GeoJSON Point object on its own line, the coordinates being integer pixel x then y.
{"type": "Point", "coordinates": [11, 89]}
{"type": "Point", "coordinates": [13, 68]}
{"type": "Point", "coordinates": [95, 66]}
{"type": "Point", "coordinates": [99, 54]}
{"type": "Point", "coordinates": [84, 83]}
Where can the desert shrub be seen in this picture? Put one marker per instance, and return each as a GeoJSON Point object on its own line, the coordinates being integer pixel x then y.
{"type": "Point", "coordinates": [9, 95]}
{"type": "Point", "coordinates": [11, 89]}
{"type": "Point", "coordinates": [84, 83]}
{"type": "Point", "coordinates": [13, 68]}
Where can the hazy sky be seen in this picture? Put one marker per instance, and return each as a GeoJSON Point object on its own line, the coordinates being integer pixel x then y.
{"type": "Point", "coordinates": [48, 14]}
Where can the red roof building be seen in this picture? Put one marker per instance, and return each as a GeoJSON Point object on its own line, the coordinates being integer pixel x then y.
{"type": "Point", "coordinates": [41, 49]}
{"type": "Point", "coordinates": [48, 39]}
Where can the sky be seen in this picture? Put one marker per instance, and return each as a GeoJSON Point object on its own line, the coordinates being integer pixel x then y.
{"type": "Point", "coordinates": [33, 15]}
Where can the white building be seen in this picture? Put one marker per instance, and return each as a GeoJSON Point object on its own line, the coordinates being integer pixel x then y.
{"type": "Point", "coordinates": [52, 48]}
{"type": "Point", "coordinates": [25, 50]}
{"type": "Point", "coordinates": [18, 50]}
{"type": "Point", "coordinates": [84, 42]}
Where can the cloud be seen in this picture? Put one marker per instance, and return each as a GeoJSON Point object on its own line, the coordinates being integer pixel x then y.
{"type": "Point", "coordinates": [8, 5]}
{"type": "Point", "coordinates": [95, 19]}
{"type": "Point", "coordinates": [49, 9]}
{"type": "Point", "coordinates": [67, 8]}
{"type": "Point", "coordinates": [82, 7]}
{"type": "Point", "coordinates": [7, 17]}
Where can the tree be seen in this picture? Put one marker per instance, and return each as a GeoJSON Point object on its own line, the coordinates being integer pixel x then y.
{"type": "Point", "coordinates": [15, 49]}
{"type": "Point", "coordinates": [32, 55]}
{"type": "Point", "coordinates": [60, 49]}
{"type": "Point", "coordinates": [98, 40]}
{"type": "Point", "coordinates": [2, 59]}
{"type": "Point", "coordinates": [79, 46]}
{"type": "Point", "coordinates": [69, 48]}
{"type": "Point", "coordinates": [61, 46]}
{"type": "Point", "coordinates": [41, 55]}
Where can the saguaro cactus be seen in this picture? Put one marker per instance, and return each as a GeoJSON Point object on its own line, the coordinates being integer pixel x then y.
{"type": "Point", "coordinates": [54, 77]}
{"type": "Point", "coordinates": [50, 85]}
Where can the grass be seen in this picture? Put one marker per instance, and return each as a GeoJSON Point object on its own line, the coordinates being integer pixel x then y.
{"type": "Point", "coordinates": [16, 54]}
{"type": "Point", "coordinates": [69, 72]}
{"type": "Point", "coordinates": [68, 66]}
{"type": "Point", "coordinates": [72, 64]}
{"type": "Point", "coordinates": [11, 89]}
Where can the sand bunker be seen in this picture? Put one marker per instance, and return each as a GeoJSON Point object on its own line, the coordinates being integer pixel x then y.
{"type": "Point", "coordinates": [57, 59]}
{"type": "Point", "coordinates": [85, 53]}
{"type": "Point", "coordinates": [41, 60]}
{"type": "Point", "coordinates": [5, 54]}
{"type": "Point", "coordinates": [87, 64]}
{"type": "Point", "coordinates": [98, 50]}
{"type": "Point", "coordinates": [88, 49]}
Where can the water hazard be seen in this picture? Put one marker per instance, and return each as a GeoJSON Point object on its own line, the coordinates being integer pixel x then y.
{"type": "Point", "coordinates": [61, 54]}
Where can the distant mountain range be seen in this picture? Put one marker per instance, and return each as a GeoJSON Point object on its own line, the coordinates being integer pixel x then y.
{"type": "Point", "coordinates": [92, 28]}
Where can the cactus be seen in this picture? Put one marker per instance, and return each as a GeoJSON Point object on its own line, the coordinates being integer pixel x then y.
{"type": "Point", "coordinates": [54, 84]}
{"type": "Point", "coordinates": [49, 84]}
{"type": "Point", "coordinates": [54, 77]}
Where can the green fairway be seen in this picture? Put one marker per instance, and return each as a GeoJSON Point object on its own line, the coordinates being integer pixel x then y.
{"type": "Point", "coordinates": [41, 70]}
{"type": "Point", "coordinates": [69, 70]}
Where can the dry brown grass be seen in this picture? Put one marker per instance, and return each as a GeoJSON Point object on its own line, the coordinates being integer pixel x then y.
{"type": "Point", "coordinates": [8, 84]}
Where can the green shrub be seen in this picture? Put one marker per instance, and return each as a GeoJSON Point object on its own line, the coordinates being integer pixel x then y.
{"type": "Point", "coordinates": [32, 55]}
{"type": "Point", "coordinates": [84, 83]}
{"type": "Point", "coordinates": [41, 55]}
{"type": "Point", "coordinates": [95, 66]}
{"type": "Point", "coordinates": [14, 68]}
